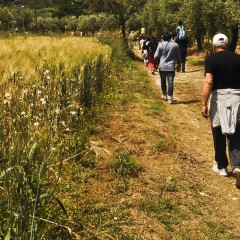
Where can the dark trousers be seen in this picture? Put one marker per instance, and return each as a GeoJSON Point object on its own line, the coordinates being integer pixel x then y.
{"type": "Point", "coordinates": [221, 142]}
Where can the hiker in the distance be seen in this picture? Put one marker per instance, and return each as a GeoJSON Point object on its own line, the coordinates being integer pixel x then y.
{"type": "Point", "coordinates": [152, 47]}
{"type": "Point", "coordinates": [222, 82]}
{"type": "Point", "coordinates": [168, 54]}
{"type": "Point", "coordinates": [145, 50]}
{"type": "Point", "coordinates": [182, 40]}
{"type": "Point", "coordinates": [131, 39]}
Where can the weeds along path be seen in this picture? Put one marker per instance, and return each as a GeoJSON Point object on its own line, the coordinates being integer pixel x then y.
{"type": "Point", "coordinates": [177, 196]}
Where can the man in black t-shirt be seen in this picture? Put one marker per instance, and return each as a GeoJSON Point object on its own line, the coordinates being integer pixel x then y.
{"type": "Point", "coordinates": [222, 82]}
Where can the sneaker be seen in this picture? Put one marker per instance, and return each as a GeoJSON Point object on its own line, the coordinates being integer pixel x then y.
{"type": "Point", "coordinates": [170, 101]}
{"type": "Point", "coordinates": [164, 97]}
{"type": "Point", "coordinates": [236, 174]}
{"type": "Point", "coordinates": [223, 172]}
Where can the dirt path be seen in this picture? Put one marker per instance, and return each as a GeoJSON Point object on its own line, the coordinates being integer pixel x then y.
{"type": "Point", "coordinates": [175, 146]}
{"type": "Point", "coordinates": [195, 139]}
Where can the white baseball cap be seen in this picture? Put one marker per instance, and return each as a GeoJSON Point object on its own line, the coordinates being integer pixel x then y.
{"type": "Point", "coordinates": [220, 39]}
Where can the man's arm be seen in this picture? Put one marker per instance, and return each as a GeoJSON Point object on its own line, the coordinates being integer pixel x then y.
{"type": "Point", "coordinates": [207, 89]}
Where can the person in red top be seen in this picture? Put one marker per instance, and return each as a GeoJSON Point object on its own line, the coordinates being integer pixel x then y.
{"type": "Point", "coordinates": [152, 47]}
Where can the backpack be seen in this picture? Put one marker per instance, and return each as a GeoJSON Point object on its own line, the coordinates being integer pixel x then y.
{"type": "Point", "coordinates": [181, 33]}
{"type": "Point", "coordinates": [152, 46]}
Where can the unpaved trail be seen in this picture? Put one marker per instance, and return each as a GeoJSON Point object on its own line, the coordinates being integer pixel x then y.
{"type": "Point", "coordinates": [195, 138]}
{"type": "Point", "coordinates": [175, 146]}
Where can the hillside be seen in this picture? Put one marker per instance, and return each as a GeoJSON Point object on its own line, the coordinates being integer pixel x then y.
{"type": "Point", "coordinates": [176, 195]}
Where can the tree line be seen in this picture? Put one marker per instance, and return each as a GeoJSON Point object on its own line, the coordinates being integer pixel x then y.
{"type": "Point", "coordinates": [202, 18]}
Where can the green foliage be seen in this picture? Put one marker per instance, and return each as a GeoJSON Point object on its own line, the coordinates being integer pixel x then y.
{"type": "Point", "coordinates": [161, 16]}
{"type": "Point", "coordinates": [213, 229]}
{"type": "Point", "coordinates": [122, 10]}
{"type": "Point", "coordinates": [48, 109]}
{"type": "Point", "coordinates": [89, 23]}
{"type": "Point", "coordinates": [155, 108]}
{"type": "Point", "coordinates": [134, 22]}
{"type": "Point", "coordinates": [124, 165]}
{"type": "Point", "coordinates": [196, 61]}
{"type": "Point", "coordinates": [86, 24]}
{"type": "Point", "coordinates": [6, 18]}
{"type": "Point", "coordinates": [122, 185]}
{"type": "Point", "coordinates": [105, 221]}
{"type": "Point", "coordinates": [46, 24]}
{"type": "Point", "coordinates": [200, 18]}
{"type": "Point", "coordinates": [70, 8]}
{"type": "Point", "coordinates": [164, 209]}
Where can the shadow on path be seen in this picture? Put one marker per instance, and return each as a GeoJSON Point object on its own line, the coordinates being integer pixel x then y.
{"type": "Point", "coordinates": [186, 102]}
{"type": "Point", "coordinates": [195, 70]}
{"type": "Point", "coordinates": [137, 58]}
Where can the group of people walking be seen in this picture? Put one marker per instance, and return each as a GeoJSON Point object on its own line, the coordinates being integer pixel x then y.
{"type": "Point", "coordinates": [221, 91]}
{"type": "Point", "coordinates": [163, 56]}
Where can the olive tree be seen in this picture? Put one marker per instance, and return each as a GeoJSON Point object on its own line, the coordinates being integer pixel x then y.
{"type": "Point", "coordinates": [88, 24]}
{"type": "Point", "coordinates": [161, 16]}
{"type": "Point", "coordinates": [6, 18]}
{"type": "Point", "coordinates": [233, 21]}
{"type": "Point", "coordinates": [46, 24]}
{"type": "Point", "coordinates": [122, 10]}
{"type": "Point", "coordinates": [207, 18]}
{"type": "Point", "coordinates": [196, 19]}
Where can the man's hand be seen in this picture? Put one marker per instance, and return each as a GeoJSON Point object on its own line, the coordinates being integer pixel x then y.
{"type": "Point", "coordinates": [207, 89]}
{"type": "Point", "coordinates": [204, 111]}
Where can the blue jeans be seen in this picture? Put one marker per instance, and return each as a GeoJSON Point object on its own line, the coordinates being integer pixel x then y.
{"type": "Point", "coordinates": [167, 88]}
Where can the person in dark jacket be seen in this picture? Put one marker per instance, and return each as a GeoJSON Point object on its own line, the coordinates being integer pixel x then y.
{"type": "Point", "coordinates": [183, 45]}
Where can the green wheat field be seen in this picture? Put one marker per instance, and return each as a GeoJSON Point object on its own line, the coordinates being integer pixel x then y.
{"type": "Point", "coordinates": [49, 90]}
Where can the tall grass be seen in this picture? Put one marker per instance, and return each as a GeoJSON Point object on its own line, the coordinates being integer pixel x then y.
{"type": "Point", "coordinates": [49, 90]}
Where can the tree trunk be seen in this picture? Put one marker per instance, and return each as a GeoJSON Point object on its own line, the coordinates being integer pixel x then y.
{"type": "Point", "coordinates": [199, 42]}
{"type": "Point", "coordinates": [234, 40]}
{"type": "Point", "coordinates": [123, 30]}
